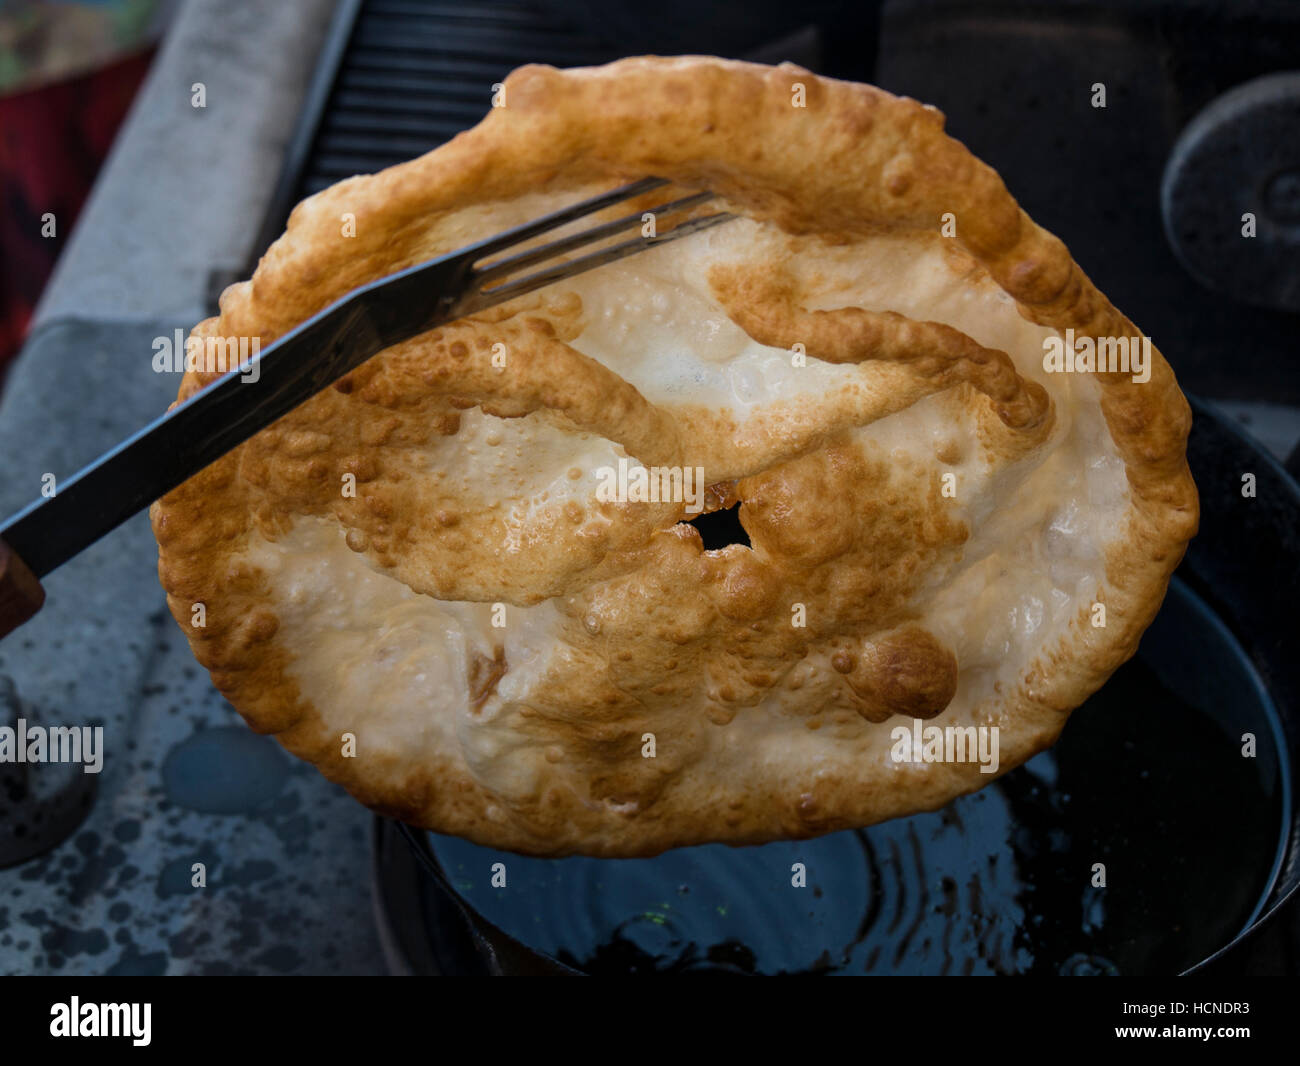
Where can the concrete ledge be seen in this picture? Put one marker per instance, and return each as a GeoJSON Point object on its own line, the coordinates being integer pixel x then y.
{"type": "Point", "coordinates": [185, 188]}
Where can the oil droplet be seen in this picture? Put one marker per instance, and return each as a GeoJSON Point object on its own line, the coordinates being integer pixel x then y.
{"type": "Point", "coordinates": [224, 770]}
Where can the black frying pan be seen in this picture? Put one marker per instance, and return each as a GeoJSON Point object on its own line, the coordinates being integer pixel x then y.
{"type": "Point", "coordinates": [1200, 844]}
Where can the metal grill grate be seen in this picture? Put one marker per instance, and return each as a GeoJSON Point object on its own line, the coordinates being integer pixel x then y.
{"type": "Point", "coordinates": [413, 75]}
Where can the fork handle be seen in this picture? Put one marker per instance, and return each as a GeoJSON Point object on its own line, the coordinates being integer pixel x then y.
{"type": "Point", "coordinates": [21, 594]}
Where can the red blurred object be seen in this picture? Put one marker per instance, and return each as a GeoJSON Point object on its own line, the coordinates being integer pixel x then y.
{"type": "Point", "coordinates": [53, 139]}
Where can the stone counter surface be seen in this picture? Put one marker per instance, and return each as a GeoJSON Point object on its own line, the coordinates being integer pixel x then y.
{"type": "Point", "coordinates": [183, 780]}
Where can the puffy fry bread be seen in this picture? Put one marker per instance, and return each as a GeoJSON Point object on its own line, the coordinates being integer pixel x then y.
{"type": "Point", "coordinates": [935, 518]}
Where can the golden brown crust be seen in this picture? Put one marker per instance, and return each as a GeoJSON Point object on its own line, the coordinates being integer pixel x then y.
{"type": "Point", "coordinates": [763, 728]}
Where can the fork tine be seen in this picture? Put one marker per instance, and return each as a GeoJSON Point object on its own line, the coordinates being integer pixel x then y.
{"type": "Point", "coordinates": [530, 282]}
{"type": "Point", "coordinates": [555, 219]}
{"type": "Point", "coordinates": [505, 267]}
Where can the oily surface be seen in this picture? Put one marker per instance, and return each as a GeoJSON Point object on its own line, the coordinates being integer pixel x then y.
{"type": "Point", "coordinates": [420, 558]}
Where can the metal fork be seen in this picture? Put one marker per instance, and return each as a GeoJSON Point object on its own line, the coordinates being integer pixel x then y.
{"type": "Point", "coordinates": [307, 359]}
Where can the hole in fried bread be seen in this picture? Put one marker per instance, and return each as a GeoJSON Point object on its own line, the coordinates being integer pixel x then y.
{"type": "Point", "coordinates": [720, 529]}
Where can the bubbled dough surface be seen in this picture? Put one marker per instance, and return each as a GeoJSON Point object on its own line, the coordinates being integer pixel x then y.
{"type": "Point", "coordinates": [390, 665]}
{"type": "Point", "coordinates": [329, 616]}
